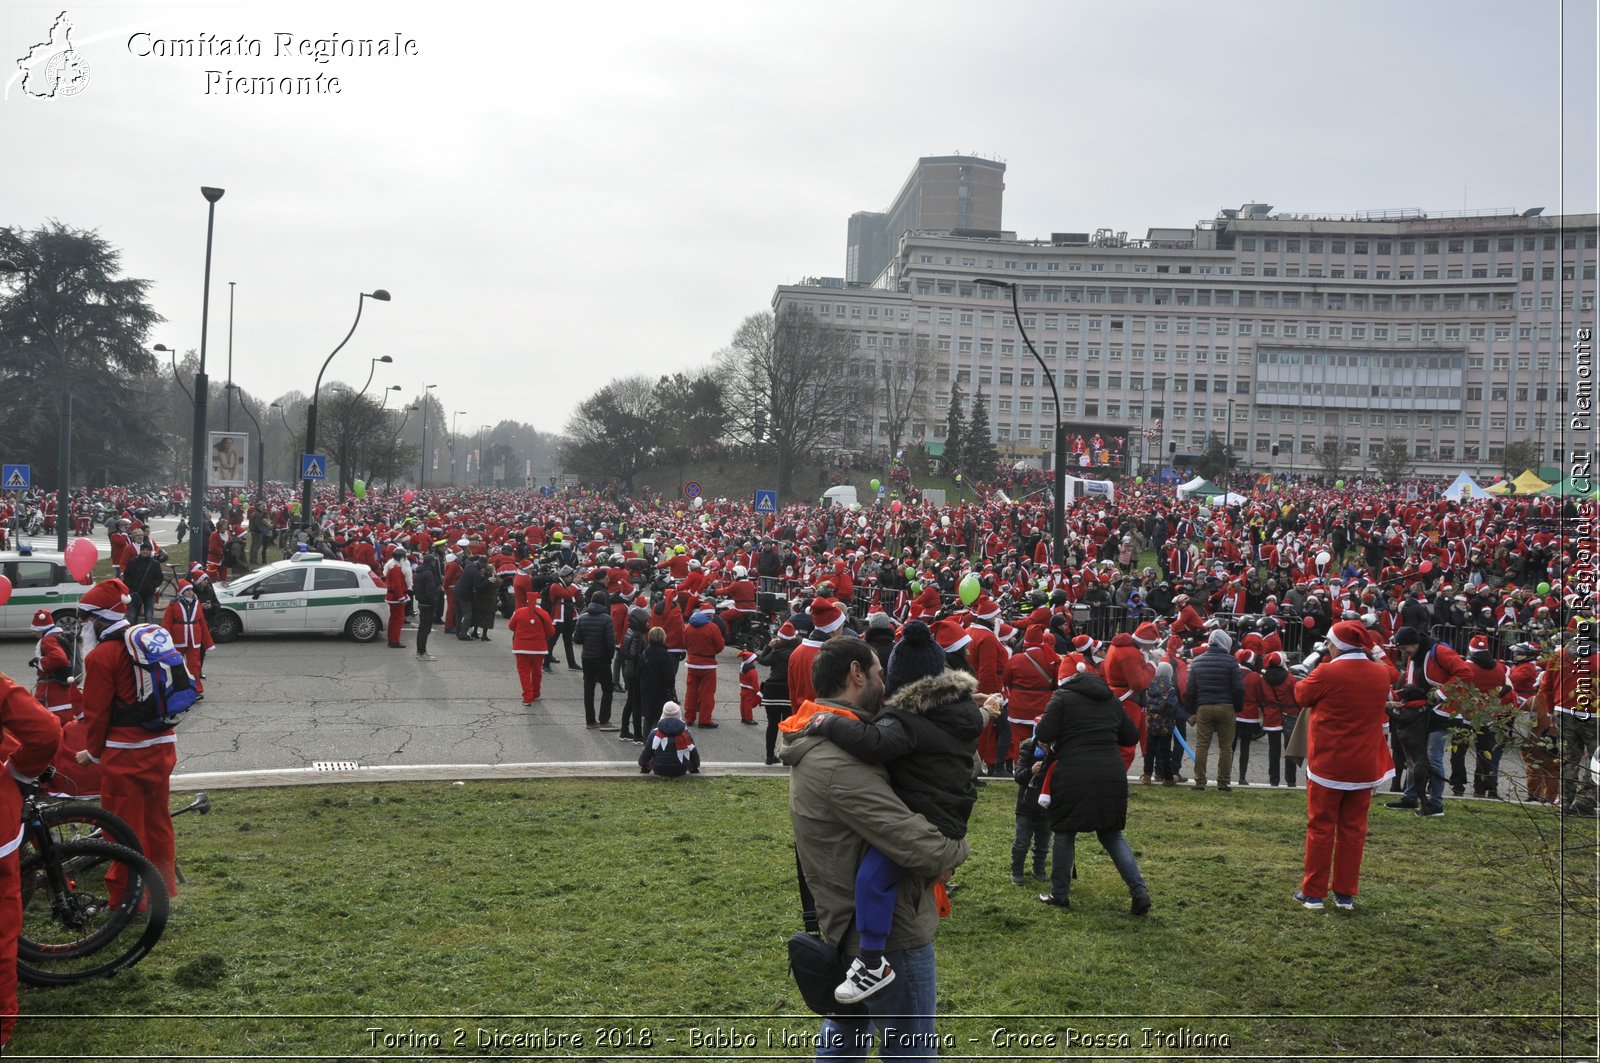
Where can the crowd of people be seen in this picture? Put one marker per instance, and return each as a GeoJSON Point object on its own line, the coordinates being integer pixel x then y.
{"type": "Point", "coordinates": [932, 647]}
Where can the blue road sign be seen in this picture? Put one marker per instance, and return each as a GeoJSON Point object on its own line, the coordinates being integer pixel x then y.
{"type": "Point", "coordinates": [313, 466]}
{"type": "Point", "coordinates": [691, 489]}
{"type": "Point", "coordinates": [766, 501]}
{"type": "Point", "coordinates": [16, 477]}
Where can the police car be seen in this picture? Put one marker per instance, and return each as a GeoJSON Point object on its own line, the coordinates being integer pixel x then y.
{"type": "Point", "coordinates": [308, 592]}
{"type": "Point", "coordinates": [39, 580]}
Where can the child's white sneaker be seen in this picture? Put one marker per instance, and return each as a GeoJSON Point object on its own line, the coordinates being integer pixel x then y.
{"type": "Point", "coordinates": [860, 981]}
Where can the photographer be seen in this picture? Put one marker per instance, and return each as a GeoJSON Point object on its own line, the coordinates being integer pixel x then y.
{"type": "Point", "coordinates": [1421, 717]}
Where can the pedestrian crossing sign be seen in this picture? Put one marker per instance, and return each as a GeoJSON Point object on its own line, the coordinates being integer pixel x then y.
{"type": "Point", "coordinates": [16, 477]}
{"type": "Point", "coordinates": [766, 501]}
{"type": "Point", "coordinates": [313, 466]}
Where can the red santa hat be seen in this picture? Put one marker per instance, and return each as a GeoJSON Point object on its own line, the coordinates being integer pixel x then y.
{"type": "Point", "coordinates": [787, 632]}
{"type": "Point", "coordinates": [747, 660]}
{"type": "Point", "coordinates": [107, 600]}
{"type": "Point", "coordinates": [985, 608]}
{"type": "Point", "coordinates": [1348, 635]}
{"type": "Point", "coordinates": [1005, 632]}
{"type": "Point", "coordinates": [1034, 636]}
{"type": "Point", "coordinates": [1146, 634]}
{"type": "Point", "coordinates": [826, 616]}
{"type": "Point", "coordinates": [43, 621]}
{"type": "Point", "coordinates": [1085, 644]}
{"type": "Point", "coordinates": [1478, 644]}
{"type": "Point", "coordinates": [1273, 660]}
{"type": "Point", "coordinates": [950, 635]}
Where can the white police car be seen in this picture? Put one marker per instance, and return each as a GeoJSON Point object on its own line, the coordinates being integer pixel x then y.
{"type": "Point", "coordinates": [308, 592]}
{"type": "Point", "coordinates": [39, 580]}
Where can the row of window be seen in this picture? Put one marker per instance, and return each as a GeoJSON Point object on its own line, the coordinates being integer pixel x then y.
{"type": "Point", "coordinates": [1449, 302]}
{"type": "Point", "coordinates": [1429, 273]}
{"type": "Point", "coordinates": [1074, 265]}
{"type": "Point", "coordinates": [1452, 245]}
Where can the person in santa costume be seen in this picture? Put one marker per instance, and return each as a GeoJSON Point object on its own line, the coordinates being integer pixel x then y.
{"type": "Point", "coordinates": [135, 763]}
{"type": "Point", "coordinates": [1030, 682]}
{"type": "Point", "coordinates": [53, 662]}
{"type": "Point", "coordinates": [186, 622]}
{"type": "Point", "coordinates": [1346, 760]}
{"type": "Point", "coordinates": [531, 633]}
{"type": "Point", "coordinates": [826, 619]}
{"type": "Point", "coordinates": [749, 687]}
{"type": "Point", "coordinates": [32, 735]}
{"type": "Point", "coordinates": [1128, 672]}
{"type": "Point", "coordinates": [703, 640]}
{"type": "Point", "coordinates": [397, 592]}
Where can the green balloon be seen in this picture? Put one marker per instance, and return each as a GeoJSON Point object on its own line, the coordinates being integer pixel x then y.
{"type": "Point", "coordinates": [1339, 484]}
{"type": "Point", "coordinates": [1138, 479]}
{"type": "Point", "coordinates": [916, 589]}
{"type": "Point", "coordinates": [875, 485]}
{"type": "Point", "coordinates": [1543, 588]}
{"type": "Point", "coordinates": [969, 588]}
{"type": "Point", "coordinates": [911, 573]}
{"type": "Point", "coordinates": [359, 488]}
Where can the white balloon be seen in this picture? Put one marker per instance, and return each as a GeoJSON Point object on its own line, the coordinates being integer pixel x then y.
{"type": "Point", "coordinates": [944, 522]}
{"type": "Point", "coordinates": [861, 521]}
{"type": "Point", "coordinates": [1324, 557]}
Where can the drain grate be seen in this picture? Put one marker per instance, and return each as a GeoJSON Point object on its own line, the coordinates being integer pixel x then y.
{"type": "Point", "coordinates": [334, 765]}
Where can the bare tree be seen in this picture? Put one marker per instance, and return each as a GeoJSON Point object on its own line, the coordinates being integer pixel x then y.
{"type": "Point", "coordinates": [904, 383]}
{"type": "Point", "coordinates": [615, 432]}
{"type": "Point", "coordinates": [1330, 458]}
{"type": "Point", "coordinates": [1394, 460]}
{"type": "Point", "coordinates": [784, 381]}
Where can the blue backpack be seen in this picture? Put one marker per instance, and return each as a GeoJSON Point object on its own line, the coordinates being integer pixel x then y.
{"type": "Point", "coordinates": [165, 688]}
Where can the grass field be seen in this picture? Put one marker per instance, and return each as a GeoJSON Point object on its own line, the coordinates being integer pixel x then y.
{"type": "Point", "coordinates": [634, 913]}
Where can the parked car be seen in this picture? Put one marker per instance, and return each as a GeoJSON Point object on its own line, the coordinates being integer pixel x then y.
{"type": "Point", "coordinates": [308, 592]}
{"type": "Point", "coordinates": [39, 580]}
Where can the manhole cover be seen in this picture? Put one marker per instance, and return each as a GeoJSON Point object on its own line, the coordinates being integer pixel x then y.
{"type": "Point", "coordinates": [334, 765]}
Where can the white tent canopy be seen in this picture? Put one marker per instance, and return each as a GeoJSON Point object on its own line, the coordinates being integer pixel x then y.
{"type": "Point", "coordinates": [1199, 485]}
{"type": "Point", "coordinates": [1464, 487]}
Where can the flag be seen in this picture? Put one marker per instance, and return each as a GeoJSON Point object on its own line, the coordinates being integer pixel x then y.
{"type": "Point", "coordinates": [435, 459]}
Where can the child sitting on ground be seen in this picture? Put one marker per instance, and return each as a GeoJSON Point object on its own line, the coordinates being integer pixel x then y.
{"type": "Point", "coordinates": [670, 750]}
{"type": "Point", "coordinates": [927, 735]}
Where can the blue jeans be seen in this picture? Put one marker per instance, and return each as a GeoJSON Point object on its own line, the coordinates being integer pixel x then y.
{"type": "Point", "coordinates": [1116, 847]}
{"type": "Point", "coordinates": [1032, 832]}
{"type": "Point", "coordinates": [902, 1013]}
{"type": "Point", "coordinates": [1436, 776]}
{"type": "Point", "coordinates": [141, 608]}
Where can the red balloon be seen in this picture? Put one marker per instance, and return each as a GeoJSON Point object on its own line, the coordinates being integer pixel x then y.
{"type": "Point", "coordinates": [1425, 568]}
{"type": "Point", "coordinates": [1310, 622]}
{"type": "Point", "coordinates": [5, 590]}
{"type": "Point", "coordinates": [409, 496]}
{"type": "Point", "coordinates": [80, 559]}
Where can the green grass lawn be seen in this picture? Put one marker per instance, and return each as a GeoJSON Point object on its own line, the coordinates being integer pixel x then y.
{"type": "Point", "coordinates": [313, 916]}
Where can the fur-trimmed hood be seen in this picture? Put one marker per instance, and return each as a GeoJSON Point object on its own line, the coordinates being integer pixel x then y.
{"type": "Point", "coordinates": [924, 695]}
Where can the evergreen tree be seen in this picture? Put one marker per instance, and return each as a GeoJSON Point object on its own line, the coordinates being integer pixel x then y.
{"type": "Point", "coordinates": [955, 435]}
{"type": "Point", "coordinates": [978, 458]}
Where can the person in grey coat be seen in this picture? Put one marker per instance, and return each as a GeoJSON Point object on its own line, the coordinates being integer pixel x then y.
{"type": "Point", "coordinates": [1214, 696]}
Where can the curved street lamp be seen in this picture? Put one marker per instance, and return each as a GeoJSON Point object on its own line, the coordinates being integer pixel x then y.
{"type": "Point", "coordinates": [261, 441]}
{"type": "Point", "coordinates": [381, 296]}
{"type": "Point", "coordinates": [350, 425]}
{"type": "Point", "coordinates": [394, 442]}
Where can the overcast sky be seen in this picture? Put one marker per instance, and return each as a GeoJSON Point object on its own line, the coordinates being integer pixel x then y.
{"type": "Point", "coordinates": [557, 194]}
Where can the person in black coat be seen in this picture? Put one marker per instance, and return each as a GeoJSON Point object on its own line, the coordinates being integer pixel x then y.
{"type": "Point", "coordinates": [671, 752]}
{"type": "Point", "coordinates": [427, 587]}
{"type": "Point", "coordinates": [1033, 822]}
{"type": "Point", "coordinates": [775, 688]}
{"type": "Point", "coordinates": [658, 676]}
{"type": "Point", "coordinates": [597, 634]}
{"type": "Point", "coordinates": [1087, 727]}
{"type": "Point", "coordinates": [466, 587]}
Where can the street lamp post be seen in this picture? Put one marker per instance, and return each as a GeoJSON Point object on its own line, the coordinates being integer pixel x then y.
{"type": "Point", "coordinates": [351, 421]}
{"type": "Point", "coordinates": [456, 417]}
{"type": "Point", "coordinates": [197, 454]}
{"type": "Point", "coordinates": [261, 445]}
{"type": "Point", "coordinates": [227, 417]}
{"type": "Point", "coordinates": [288, 437]}
{"type": "Point", "coordinates": [483, 439]}
{"type": "Point", "coordinates": [1059, 517]}
{"type": "Point", "coordinates": [381, 296]}
{"type": "Point", "coordinates": [394, 443]}
{"type": "Point", "coordinates": [422, 464]}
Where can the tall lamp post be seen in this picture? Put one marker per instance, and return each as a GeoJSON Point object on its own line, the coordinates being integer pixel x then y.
{"type": "Point", "coordinates": [1059, 517]}
{"type": "Point", "coordinates": [227, 417]}
{"type": "Point", "coordinates": [350, 424]}
{"type": "Point", "coordinates": [454, 419]}
{"type": "Point", "coordinates": [394, 443]}
{"type": "Point", "coordinates": [483, 440]}
{"type": "Point", "coordinates": [381, 296]}
{"type": "Point", "coordinates": [198, 540]}
{"type": "Point", "coordinates": [64, 408]}
{"type": "Point", "coordinates": [261, 444]}
{"type": "Point", "coordinates": [422, 465]}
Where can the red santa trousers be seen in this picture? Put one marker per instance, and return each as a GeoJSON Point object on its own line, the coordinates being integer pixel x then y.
{"type": "Point", "coordinates": [1336, 835]}
{"type": "Point", "coordinates": [397, 622]}
{"type": "Point", "coordinates": [136, 784]}
{"type": "Point", "coordinates": [700, 694]}
{"type": "Point", "coordinates": [530, 669]}
{"type": "Point", "coordinates": [1135, 713]}
{"type": "Point", "coordinates": [10, 919]}
{"type": "Point", "coordinates": [191, 660]}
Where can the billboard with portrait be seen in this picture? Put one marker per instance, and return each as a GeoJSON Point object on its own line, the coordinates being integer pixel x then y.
{"type": "Point", "coordinates": [230, 459]}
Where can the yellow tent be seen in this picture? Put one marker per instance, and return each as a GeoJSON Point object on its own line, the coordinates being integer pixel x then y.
{"type": "Point", "coordinates": [1529, 483]}
{"type": "Point", "coordinates": [1499, 487]}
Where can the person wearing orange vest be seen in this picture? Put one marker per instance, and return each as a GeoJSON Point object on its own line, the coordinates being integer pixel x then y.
{"type": "Point", "coordinates": [1128, 672]}
{"type": "Point", "coordinates": [135, 763]}
{"type": "Point", "coordinates": [1346, 759]}
{"type": "Point", "coordinates": [31, 736]}
{"type": "Point", "coordinates": [186, 622]}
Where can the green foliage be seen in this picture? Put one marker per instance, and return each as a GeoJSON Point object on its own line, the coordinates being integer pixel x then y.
{"type": "Point", "coordinates": [615, 432]}
{"type": "Point", "coordinates": [627, 896]}
{"type": "Point", "coordinates": [1520, 456]}
{"type": "Point", "coordinates": [1394, 460]}
{"type": "Point", "coordinates": [978, 456]}
{"type": "Point", "coordinates": [1216, 460]}
{"type": "Point", "coordinates": [955, 434]}
{"type": "Point", "coordinates": [691, 414]}
{"type": "Point", "coordinates": [1330, 459]}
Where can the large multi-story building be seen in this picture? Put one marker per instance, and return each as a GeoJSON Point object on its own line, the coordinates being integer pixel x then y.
{"type": "Point", "coordinates": [956, 193]}
{"type": "Point", "coordinates": [1449, 331]}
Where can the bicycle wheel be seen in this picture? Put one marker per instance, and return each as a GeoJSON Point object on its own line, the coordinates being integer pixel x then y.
{"type": "Point", "coordinates": [71, 932]}
{"type": "Point", "coordinates": [76, 821]}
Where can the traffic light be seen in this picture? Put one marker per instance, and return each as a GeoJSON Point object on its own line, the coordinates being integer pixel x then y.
{"type": "Point", "coordinates": [1274, 450]}
{"type": "Point", "coordinates": [1172, 446]}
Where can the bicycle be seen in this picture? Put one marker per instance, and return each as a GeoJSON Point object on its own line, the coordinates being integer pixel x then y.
{"type": "Point", "coordinates": [68, 918]}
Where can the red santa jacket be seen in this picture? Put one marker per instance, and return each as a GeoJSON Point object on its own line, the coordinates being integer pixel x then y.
{"type": "Point", "coordinates": [29, 735]}
{"type": "Point", "coordinates": [1030, 681]}
{"type": "Point", "coordinates": [394, 583]}
{"type": "Point", "coordinates": [988, 659]}
{"type": "Point", "coordinates": [53, 663]}
{"type": "Point", "coordinates": [108, 682]}
{"type": "Point", "coordinates": [1125, 669]}
{"type": "Point", "coordinates": [1345, 745]}
{"type": "Point", "coordinates": [703, 639]}
{"type": "Point", "coordinates": [531, 629]}
{"type": "Point", "coordinates": [186, 623]}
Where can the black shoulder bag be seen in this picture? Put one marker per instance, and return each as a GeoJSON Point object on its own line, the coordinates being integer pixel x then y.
{"type": "Point", "coordinates": [815, 963]}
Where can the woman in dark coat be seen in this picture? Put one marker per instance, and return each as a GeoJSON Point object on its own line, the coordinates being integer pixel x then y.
{"type": "Point", "coordinates": [1086, 725]}
{"type": "Point", "coordinates": [775, 688]}
{"type": "Point", "coordinates": [485, 603]}
{"type": "Point", "coordinates": [658, 677]}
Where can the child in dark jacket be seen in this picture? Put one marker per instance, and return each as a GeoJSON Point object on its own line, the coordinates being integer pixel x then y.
{"type": "Point", "coordinates": [1033, 822]}
{"type": "Point", "coordinates": [1164, 717]}
{"type": "Point", "coordinates": [775, 688]}
{"type": "Point", "coordinates": [927, 736]}
{"type": "Point", "coordinates": [670, 752]}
